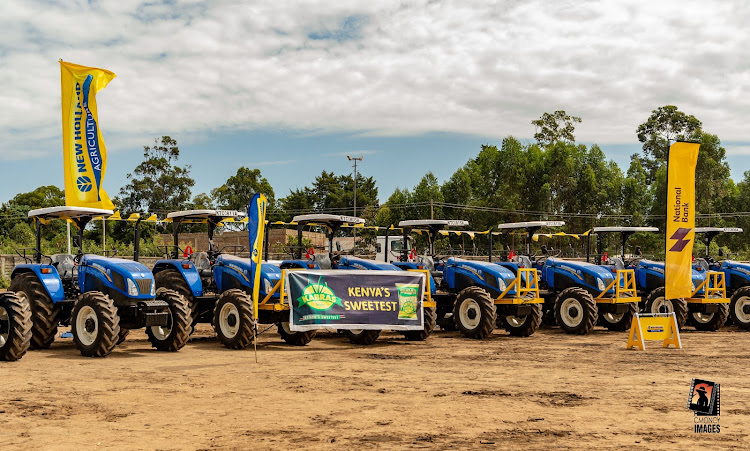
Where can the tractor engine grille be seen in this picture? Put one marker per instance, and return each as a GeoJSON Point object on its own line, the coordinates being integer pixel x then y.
{"type": "Point", "coordinates": [144, 285]}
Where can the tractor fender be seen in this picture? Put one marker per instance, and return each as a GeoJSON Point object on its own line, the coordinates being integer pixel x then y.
{"type": "Point", "coordinates": [190, 274]}
{"type": "Point", "coordinates": [51, 280]}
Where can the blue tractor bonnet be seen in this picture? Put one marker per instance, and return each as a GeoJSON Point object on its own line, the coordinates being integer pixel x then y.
{"type": "Point", "coordinates": [240, 269]}
{"type": "Point", "coordinates": [116, 272]}
{"type": "Point", "coordinates": [491, 275]}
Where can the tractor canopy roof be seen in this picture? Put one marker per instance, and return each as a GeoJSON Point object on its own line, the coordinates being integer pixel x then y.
{"type": "Point", "coordinates": [327, 219]}
{"type": "Point", "coordinates": [530, 224]}
{"type": "Point", "coordinates": [624, 229]}
{"type": "Point", "coordinates": [65, 212]}
{"type": "Point", "coordinates": [204, 214]}
{"type": "Point", "coordinates": [718, 229]}
{"type": "Point", "coordinates": [432, 223]}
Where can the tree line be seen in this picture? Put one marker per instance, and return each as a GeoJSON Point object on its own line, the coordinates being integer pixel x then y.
{"type": "Point", "coordinates": [550, 178]}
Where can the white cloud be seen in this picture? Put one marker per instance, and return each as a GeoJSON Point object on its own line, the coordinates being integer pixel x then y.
{"type": "Point", "coordinates": [387, 68]}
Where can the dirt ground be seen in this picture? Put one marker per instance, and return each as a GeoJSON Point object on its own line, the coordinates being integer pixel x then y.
{"type": "Point", "coordinates": [447, 392]}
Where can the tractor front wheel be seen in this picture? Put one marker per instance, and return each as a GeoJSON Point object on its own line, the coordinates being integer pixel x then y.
{"type": "Point", "coordinates": [523, 326]}
{"type": "Point", "coordinates": [122, 336]}
{"type": "Point", "coordinates": [294, 338]}
{"type": "Point", "coordinates": [709, 322]}
{"type": "Point", "coordinates": [474, 313]}
{"type": "Point", "coordinates": [576, 311]}
{"type": "Point", "coordinates": [95, 324]}
{"type": "Point", "coordinates": [234, 321]}
{"type": "Point", "coordinates": [44, 312]}
{"type": "Point", "coordinates": [15, 326]}
{"type": "Point", "coordinates": [656, 303]}
{"type": "Point", "coordinates": [173, 280]}
{"type": "Point", "coordinates": [362, 337]}
{"type": "Point", "coordinates": [172, 336]}
{"type": "Point", "coordinates": [618, 322]}
{"type": "Point", "coordinates": [739, 308]}
{"type": "Point", "coordinates": [430, 321]}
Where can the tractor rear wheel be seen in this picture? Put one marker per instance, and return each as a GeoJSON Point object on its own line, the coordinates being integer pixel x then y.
{"type": "Point", "coordinates": [430, 321]}
{"type": "Point", "coordinates": [234, 321]}
{"type": "Point", "coordinates": [15, 326]}
{"type": "Point", "coordinates": [474, 313]}
{"type": "Point", "coordinates": [95, 324]}
{"type": "Point", "coordinates": [739, 308]}
{"type": "Point", "coordinates": [618, 322]}
{"type": "Point", "coordinates": [173, 280]}
{"type": "Point", "coordinates": [173, 336]}
{"type": "Point", "coordinates": [523, 326]}
{"type": "Point", "coordinates": [294, 338]}
{"type": "Point", "coordinates": [655, 303]}
{"type": "Point", "coordinates": [576, 311]}
{"type": "Point", "coordinates": [44, 312]}
{"type": "Point", "coordinates": [362, 337]}
{"type": "Point", "coordinates": [709, 322]}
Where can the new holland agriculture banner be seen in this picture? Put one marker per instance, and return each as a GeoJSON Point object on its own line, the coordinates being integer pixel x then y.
{"type": "Point", "coordinates": [683, 157]}
{"type": "Point", "coordinates": [84, 154]}
{"type": "Point", "coordinates": [256, 221]}
{"type": "Point", "coordinates": [353, 299]}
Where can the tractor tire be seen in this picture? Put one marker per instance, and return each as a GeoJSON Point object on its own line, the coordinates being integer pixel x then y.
{"type": "Point", "coordinates": [122, 336]}
{"type": "Point", "coordinates": [430, 321]}
{"type": "Point", "coordinates": [474, 313]}
{"type": "Point", "coordinates": [95, 324]}
{"type": "Point", "coordinates": [523, 326]}
{"type": "Point", "coordinates": [295, 338]}
{"type": "Point", "coordinates": [739, 308]}
{"type": "Point", "coordinates": [44, 312]}
{"type": "Point", "coordinates": [619, 322]}
{"type": "Point", "coordinates": [362, 337]}
{"type": "Point", "coordinates": [655, 303]}
{"type": "Point", "coordinates": [709, 322]}
{"type": "Point", "coordinates": [234, 321]}
{"type": "Point", "coordinates": [15, 326]}
{"type": "Point", "coordinates": [175, 334]}
{"type": "Point", "coordinates": [173, 280]}
{"type": "Point", "coordinates": [576, 311]}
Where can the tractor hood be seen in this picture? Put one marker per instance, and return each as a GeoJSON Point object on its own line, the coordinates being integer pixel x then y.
{"type": "Point", "coordinates": [581, 268]}
{"type": "Point", "coordinates": [359, 263]}
{"type": "Point", "coordinates": [242, 265]}
{"type": "Point", "coordinates": [127, 268]}
{"type": "Point", "coordinates": [484, 271]}
{"type": "Point", "coordinates": [697, 276]}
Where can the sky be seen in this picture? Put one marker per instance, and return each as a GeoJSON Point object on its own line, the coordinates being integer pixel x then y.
{"type": "Point", "coordinates": [292, 88]}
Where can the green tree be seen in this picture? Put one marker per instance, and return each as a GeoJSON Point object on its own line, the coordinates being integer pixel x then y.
{"type": "Point", "coordinates": [636, 195]}
{"type": "Point", "coordinates": [666, 125]}
{"type": "Point", "coordinates": [239, 189]}
{"type": "Point", "coordinates": [558, 126]}
{"type": "Point", "coordinates": [426, 192]}
{"type": "Point", "coordinates": [298, 201]}
{"type": "Point", "coordinates": [157, 184]}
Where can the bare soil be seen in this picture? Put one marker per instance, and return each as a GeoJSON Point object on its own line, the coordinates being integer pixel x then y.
{"type": "Point", "coordinates": [447, 392]}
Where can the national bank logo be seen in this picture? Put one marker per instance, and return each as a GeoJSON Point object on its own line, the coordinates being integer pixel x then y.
{"type": "Point", "coordinates": [680, 235]}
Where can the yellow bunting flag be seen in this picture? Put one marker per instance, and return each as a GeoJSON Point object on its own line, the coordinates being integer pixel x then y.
{"type": "Point", "coordinates": [683, 157]}
{"type": "Point", "coordinates": [84, 154]}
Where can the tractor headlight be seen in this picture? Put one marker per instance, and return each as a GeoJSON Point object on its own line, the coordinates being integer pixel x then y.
{"type": "Point", "coordinates": [267, 285]}
{"type": "Point", "coordinates": [153, 288]}
{"type": "Point", "coordinates": [501, 284]}
{"type": "Point", "coordinates": [600, 284]}
{"type": "Point", "coordinates": [132, 289]}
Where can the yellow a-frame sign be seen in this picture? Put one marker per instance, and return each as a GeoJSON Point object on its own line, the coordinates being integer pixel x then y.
{"type": "Point", "coordinates": [654, 326]}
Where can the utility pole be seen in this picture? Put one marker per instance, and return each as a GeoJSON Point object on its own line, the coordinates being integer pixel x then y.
{"type": "Point", "coordinates": [355, 160]}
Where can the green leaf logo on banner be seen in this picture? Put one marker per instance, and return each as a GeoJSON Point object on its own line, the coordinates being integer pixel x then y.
{"type": "Point", "coordinates": [318, 296]}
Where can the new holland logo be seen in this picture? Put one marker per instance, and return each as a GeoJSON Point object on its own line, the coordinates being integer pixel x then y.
{"type": "Point", "coordinates": [84, 184]}
{"type": "Point", "coordinates": [318, 296]}
{"type": "Point", "coordinates": [680, 235]}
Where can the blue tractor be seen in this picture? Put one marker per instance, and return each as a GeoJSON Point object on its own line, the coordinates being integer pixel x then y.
{"type": "Point", "coordinates": [736, 275]}
{"type": "Point", "coordinates": [335, 260]}
{"type": "Point", "coordinates": [705, 309]}
{"type": "Point", "coordinates": [579, 293]}
{"type": "Point", "coordinates": [101, 298]}
{"type": "Point", "coordinates": [476, 296]}
{"type": "Point", "coordinates": [219, 285]}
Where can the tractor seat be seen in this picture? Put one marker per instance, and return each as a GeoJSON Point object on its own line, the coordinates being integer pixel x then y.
{"type": "Point", "coordinates": [323, 260]}
{"type": "Point", "coordinates": [524, 260]}
{"type": "Point", "coordinates": [617, 263]}
{"type": "Point", "coordinates": [64, 264]}
{"type": "Point", "coordinates": [428, 263]}
{"type": "Point", "coordinates": [202, 264]}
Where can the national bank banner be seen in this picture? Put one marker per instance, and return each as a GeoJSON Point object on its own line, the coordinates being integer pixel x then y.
{"type": "Point", "coordinates": [84, 154]}
{"type": "Point", "coordinates": [353, 299]}
{"type": "Point", "coordinates": [683, 157]}
{"type": "Point", "coordinates": [256, 227]}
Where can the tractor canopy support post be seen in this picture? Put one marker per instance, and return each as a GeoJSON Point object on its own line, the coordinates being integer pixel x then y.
{"type": "Point", "coordinates": [405, 251]}
{"type": "Point", "coordinates": [265, 241]}
{"type": "Point", "coordinates": [598, 249]}
{"type": "Point", "coordinates": [489, 237]}
{"type": "Point", "coordinates": [137, 240]}
{"type": "Point", "coordinates": [211, 229]}
{"type": "Point", "coordinates": [38, 236]}
{"type": "Point", "coordinates": [588, 248]}
{"type": "Point", "coordinates": [176, 238]}
{"type": "Point", "coordinates": [299, 240]}
{"type": "Point", "coordinates": [385, 247]}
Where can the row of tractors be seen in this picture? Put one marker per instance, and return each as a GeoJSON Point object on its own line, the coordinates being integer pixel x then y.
{"type": "Point", "coordinates": [103, 298]}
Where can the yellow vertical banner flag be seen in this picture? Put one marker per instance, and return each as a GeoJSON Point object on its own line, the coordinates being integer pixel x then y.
{"type": "Point", "coordinates": [84, 154]}
{"type": "Point", "coordinates": [683, 157]}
